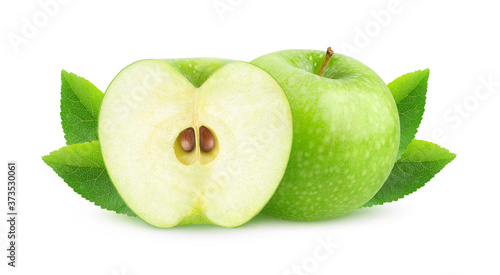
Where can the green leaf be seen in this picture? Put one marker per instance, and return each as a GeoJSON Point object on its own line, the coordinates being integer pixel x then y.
{"type": "Point", "coordinates": [418, 165]}
{"type": "Point", "coordinates": [80, 103]}
{"type": "Point", "coordinates": [409, 93]}
{"type": "Point", "coordinates": [82, 168]}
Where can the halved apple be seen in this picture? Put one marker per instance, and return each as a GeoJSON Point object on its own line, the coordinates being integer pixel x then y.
{"type": "Point", "coordinates": [193, 141]}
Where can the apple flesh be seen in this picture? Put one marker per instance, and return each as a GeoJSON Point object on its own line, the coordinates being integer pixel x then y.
{"type": "Point", "coordinates": [345, 134]}
{"type": "Point", "coordinates": [149, 131]}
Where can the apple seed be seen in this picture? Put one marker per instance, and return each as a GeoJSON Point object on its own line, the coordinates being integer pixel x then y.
{"type": "Point", "coordinates": [188, 140]}
{"type": "Point", "coordinates": [207, 141]}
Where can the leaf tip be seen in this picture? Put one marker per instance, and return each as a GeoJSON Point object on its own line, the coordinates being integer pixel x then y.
{"type": "Point", "coordinates": [64, 74]}
{"type": "Point", "coordinates": [45, 158]}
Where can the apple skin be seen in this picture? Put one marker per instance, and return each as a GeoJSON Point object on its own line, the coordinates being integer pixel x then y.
{"type": "Point", "coordinates": [345, 134]}
{"type": "Point", "coordinates": [197, 70]}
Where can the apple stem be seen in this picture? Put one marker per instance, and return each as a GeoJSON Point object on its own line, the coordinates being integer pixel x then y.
{"type": "Point", "coordinates": [328, 55]}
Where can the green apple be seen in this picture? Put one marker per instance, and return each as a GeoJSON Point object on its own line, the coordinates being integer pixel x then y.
{"type": "Point", "coordinates": [345, 134]}
{"type": "Point", "coordinates": [194, 141]}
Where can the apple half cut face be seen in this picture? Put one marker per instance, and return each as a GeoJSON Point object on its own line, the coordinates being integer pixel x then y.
{"type": "Point", "coordinates": [194, 141]}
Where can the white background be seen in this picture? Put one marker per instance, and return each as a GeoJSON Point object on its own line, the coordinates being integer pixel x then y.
{"type": "Point", "coordinates": [449, 227]}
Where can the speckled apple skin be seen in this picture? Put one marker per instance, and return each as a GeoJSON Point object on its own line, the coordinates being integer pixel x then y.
{"type": "Point", "coordinates": [345, 134]}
